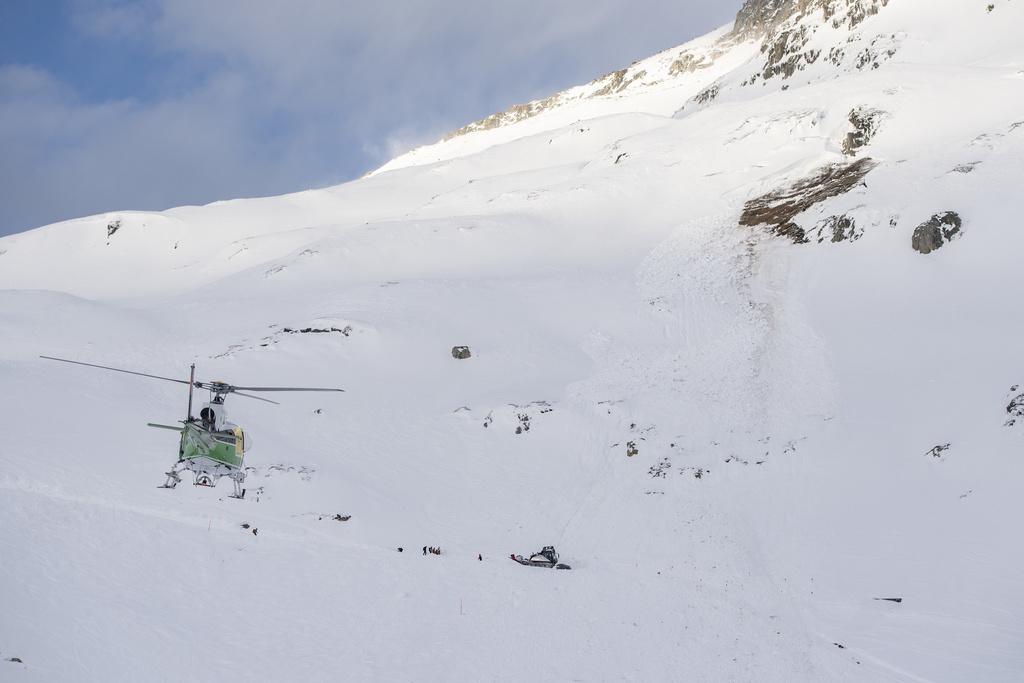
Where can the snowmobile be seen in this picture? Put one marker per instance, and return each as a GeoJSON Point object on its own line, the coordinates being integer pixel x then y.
{"type": "Point", "coordinates": [545, 558]}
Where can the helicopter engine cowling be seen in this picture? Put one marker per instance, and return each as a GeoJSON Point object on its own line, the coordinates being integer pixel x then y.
{"type": "Point", "coordinates": [214, 415]}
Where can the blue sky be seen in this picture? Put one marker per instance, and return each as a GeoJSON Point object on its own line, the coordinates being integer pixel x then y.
{"type": "Point", "coordinates": [109, 105]}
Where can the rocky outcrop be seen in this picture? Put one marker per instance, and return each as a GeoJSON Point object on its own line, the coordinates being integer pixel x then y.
{"type": "Point", "coordinates": [837, 229]}
{"type": "Point", "coordinates": [865, 124]}
{"type": "Point", "coordinates": [707, 94]}
{"type": "Point", "coordinates": [785, 55]}
{"type": "Point", "coordinates": [936, 231]}
{"type": "Point", "coordinates": [757, 17]}
{"type": "Point", "coordinates": [460, 352]}
{"type": "Point", "coordinates": [778, 208]}
{"type": "Point", "coordinates": [514, 114]}
{"type": "Point", "coordinates": [690, 61]}
{"type": "Point", "coordinates": [609, 84]}
{"type": "Point", "coordinates": [1015, 408]}
{"type": "Point", "coordinates": [787, 27]}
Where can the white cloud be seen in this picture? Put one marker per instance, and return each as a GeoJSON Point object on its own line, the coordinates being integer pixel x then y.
{"type": "Point", "coordinates": [254, 97]}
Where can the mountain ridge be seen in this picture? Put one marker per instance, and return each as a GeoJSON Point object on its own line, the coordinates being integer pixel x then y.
{"type": "Point", "coordinates": [783, 25]}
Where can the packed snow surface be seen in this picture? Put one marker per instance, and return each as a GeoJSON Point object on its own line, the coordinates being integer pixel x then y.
{"type": "Point", "coordinates": [765, 457]}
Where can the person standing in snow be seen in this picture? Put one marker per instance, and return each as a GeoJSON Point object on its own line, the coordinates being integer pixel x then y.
{"type": "Point", "coordinates": [424, 550]}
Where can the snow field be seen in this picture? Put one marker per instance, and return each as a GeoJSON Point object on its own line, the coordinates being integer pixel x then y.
{"type": "Point", "coordinates": [782, 402]}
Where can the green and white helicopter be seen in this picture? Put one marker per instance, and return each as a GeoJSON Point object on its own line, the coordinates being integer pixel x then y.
{"type": "Point", "coordinates": [210, 447]}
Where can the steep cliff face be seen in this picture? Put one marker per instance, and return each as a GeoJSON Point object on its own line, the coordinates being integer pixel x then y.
{"type": "Point", "coordinates": [789, 31]}
{"type": "Point", "coordinates": [757, 17]}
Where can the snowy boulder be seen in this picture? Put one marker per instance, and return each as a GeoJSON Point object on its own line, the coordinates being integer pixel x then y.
{"type": "Point", "coordinates": [936, 231]}
{"type": "Point", "coordinates": [460, 352]}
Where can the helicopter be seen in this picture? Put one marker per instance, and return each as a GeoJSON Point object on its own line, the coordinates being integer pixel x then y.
{"type": "Point", "coordinates": [211, 447]}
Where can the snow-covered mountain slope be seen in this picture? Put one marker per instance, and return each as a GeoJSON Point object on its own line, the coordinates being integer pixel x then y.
{"type": "Point", "coordinates": [745, 334]}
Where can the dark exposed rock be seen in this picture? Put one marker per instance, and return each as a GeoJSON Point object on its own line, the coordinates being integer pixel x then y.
{"type": "Point", "coordinates": [785, 52]}
{"type": "Point", "coordinates": [347, 330]}
{"type": "Point", "coordinates": [787, 27]}
{"type": "Point", "coordinates": [965, 168]}
{"type": "Point", "coordinates": [865, 124]}
{"type": "Point", "coordinates": [524, 423]}
{"type": "Point", "coordinates": [706, 95]}
{"type": "Point", "coordinates": [938, 451]}
{"type": "Point", "coordinates": [936, 231]}
{"type": "Point", "coordinates": [1015, 408]}
{"type": "Point", "coordinates": [660, 469]}
{"type": "Point", "coordinates": [838, 229]}
{"type": "Point", "coordinates": [112, 227]}
{"type": "Point", "coordinates": [861, 11]}
{"type": "Point", "coordinates": [524, 415]}
{"type": "Point", "coordinates": [757, 17]}
{"type": "Point", "coordinates": [778, 208]}
{"type": "Point", "coordinates": [460, 352]}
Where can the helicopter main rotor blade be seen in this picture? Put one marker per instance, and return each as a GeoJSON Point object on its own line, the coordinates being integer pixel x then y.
{"type": "Point", "coordinates": [258, 398]}
{"type": "Point", "coordinates": [281, 389]}
{"type": "Point", "coordinates": [106, 367]}
{"type": "Point", "coordinates": [226, 388]}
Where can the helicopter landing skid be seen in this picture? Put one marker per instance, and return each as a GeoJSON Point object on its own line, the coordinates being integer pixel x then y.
{"type": "Point", "coordinates": [239, 491]}
{"type": "Point", "coordinates": [206, 478]}
{"type": "Point", "coordinates": [172, 480]}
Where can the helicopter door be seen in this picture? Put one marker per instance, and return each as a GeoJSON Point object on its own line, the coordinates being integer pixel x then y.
{"type": "Point", "coordinates": [241, 441]}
